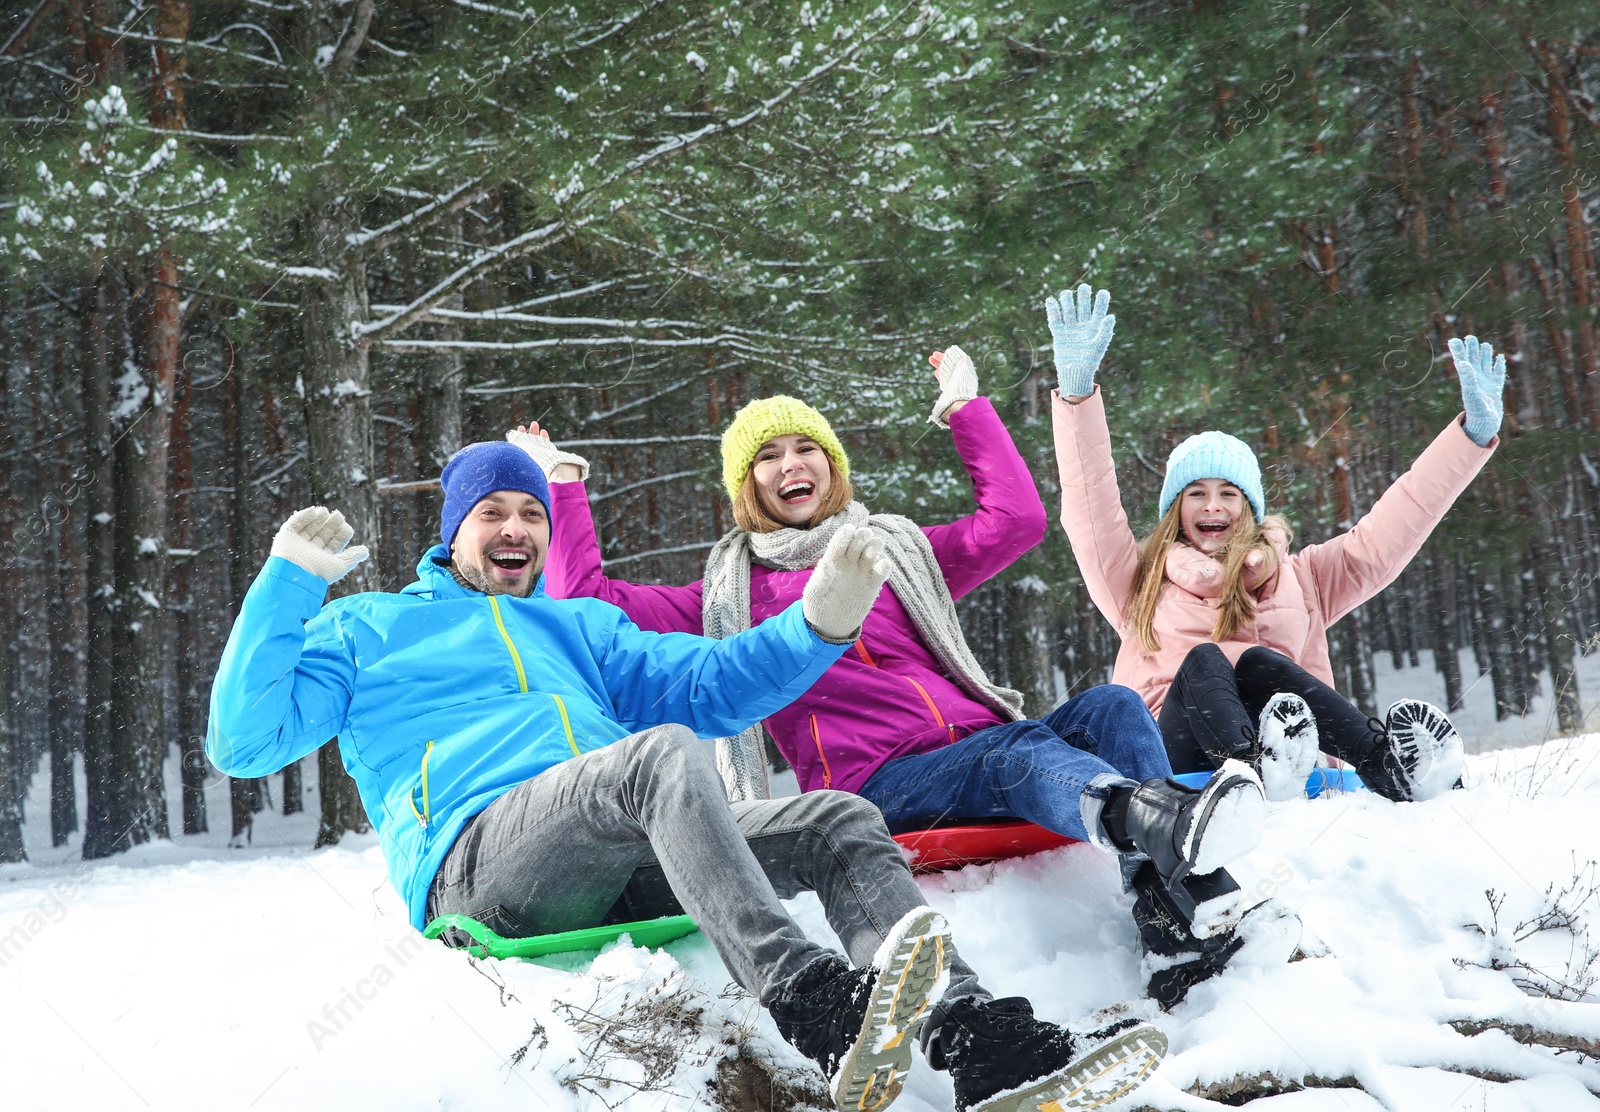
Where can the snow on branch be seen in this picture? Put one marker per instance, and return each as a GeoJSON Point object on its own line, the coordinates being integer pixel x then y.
{"type": "Point", "coordinates": [399, 321]}
{"type": "Point", "coordinates": [375, 239]}
{"type": "Point", "coordinates": [523, 16]}
{"type": "Point", "coordinates": [698, 546]}
{"type": "Point", "coordinates": [626, 442]}
{"type": "Point", "coordinates": [502, 313]}
{"type": "Point", "coordinates": [484, 391]}
{"type": "Point", "coordinates": [682, 142]}
{"type": "Point", "coordinates": [567, 322]}
{"type": "Point", "coordinates": [213, 137]}
{"type": "Point", "coordinates": [615, 28]}
{"type": "Point", "coordinates": [722, 339]}
{"type": "Point", "coordinates": [654, 480]}
{"type": "Point", "coordinates": [618, 410]}
{"type": "Point", "coordinates": [189, 44]}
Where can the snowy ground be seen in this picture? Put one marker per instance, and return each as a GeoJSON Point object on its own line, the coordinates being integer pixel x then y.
{"type": "Point", "coordinates": [188, 975]}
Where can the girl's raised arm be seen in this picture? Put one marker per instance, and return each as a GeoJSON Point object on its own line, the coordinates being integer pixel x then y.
{"type": "Point", "coordinates": [1354, 566]}
{"type": "Point", "coordinates": [1091, 505]}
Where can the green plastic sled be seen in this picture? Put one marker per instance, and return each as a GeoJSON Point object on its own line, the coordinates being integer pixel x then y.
{"type": "Point", "coordinates": [486, 943]}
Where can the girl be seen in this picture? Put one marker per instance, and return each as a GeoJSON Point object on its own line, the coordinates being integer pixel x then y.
{"type": "Point", "coordinates": [907, 718]}
{"type": "Point", "coordinates": [1224, 632]}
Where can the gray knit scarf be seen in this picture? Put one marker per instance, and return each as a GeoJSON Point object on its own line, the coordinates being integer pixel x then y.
{"type": "Point", "coordinates": [917, 580]}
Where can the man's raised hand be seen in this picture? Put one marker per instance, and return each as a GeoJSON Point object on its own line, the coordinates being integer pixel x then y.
{"type": "Point", "coordinates": [315, 538]}
{"type": "Point", "coordinates": [845, 583]}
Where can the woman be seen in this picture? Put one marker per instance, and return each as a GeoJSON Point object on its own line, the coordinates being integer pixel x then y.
{"type": "Point", "coordinates": [1224, 632]}
{"type": "Point", "coordinates": [907, 718]}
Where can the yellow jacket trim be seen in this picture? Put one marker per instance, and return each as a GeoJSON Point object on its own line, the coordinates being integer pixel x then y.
{"type": "Point", "coordinates": [522, 677]}
{"type": "Point", "coordinates": [566, 724]}
{"type": "Point", "coordinates": [426, 814]}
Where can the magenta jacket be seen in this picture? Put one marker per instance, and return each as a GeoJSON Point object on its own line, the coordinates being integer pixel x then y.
{"type": "Point", "coordinates": [887, 696]}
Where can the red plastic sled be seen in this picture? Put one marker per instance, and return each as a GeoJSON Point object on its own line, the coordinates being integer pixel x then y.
{"type": "Point", "coordinates": [951, 847]}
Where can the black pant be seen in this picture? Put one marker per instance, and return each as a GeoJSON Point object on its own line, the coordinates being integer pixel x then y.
{"type": "Point", "coordinates": [1212, 708]}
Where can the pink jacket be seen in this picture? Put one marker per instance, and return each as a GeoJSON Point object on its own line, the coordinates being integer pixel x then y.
{"type": "Point", "coordinates": [1315, 588]}
{"type": "Point", "coordinates": [887, 696]}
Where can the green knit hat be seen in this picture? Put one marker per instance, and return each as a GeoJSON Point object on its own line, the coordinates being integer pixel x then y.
{"type": "Point", "coordinates": [765, 418]}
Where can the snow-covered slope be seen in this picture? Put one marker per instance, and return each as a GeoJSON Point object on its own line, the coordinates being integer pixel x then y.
{"type": "Point", "coordinates": [188, 975]}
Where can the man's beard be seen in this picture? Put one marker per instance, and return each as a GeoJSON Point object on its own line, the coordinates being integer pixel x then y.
{"type": "Point", "coordinates": [479, 580]}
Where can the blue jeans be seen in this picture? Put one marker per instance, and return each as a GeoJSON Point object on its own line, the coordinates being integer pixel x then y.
{"type": "Point", "coordinates": [1056, 773]}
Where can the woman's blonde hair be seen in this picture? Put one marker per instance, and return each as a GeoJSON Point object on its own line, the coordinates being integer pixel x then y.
{"type": "Point", "coordinates": [1236, 607]}
{"type": "Point", "coordinates": [752, 517]}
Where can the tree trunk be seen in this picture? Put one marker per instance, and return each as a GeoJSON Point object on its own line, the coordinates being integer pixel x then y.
{"type": "Point", "coordinates": [1557, 636]}
{"type": "Point", "coordinates": [243, 794]}
{"type": "Point", "coordinates": [293, 789]}
{"type": "Point", "coordinates": [190, 675]}
{"type": "Point", "coordinates": [439, 390]}
{"type": "Point", "coordinates": [11, 847]}
{"type": "Point", "coordinates": [140, 554]}
{"type": "Point", "coordinates": [339, 430]}
{"type": "Point", "coordinates": [65, 707]}
{"type": "Point", "coordinates": [1580, 258]}
{"type": "Point", "coordinates": [1446, 649]}
{"type": "Point", "coordinates": [339, 420]}
{"type": "Point", "coordinates": [105, 828]}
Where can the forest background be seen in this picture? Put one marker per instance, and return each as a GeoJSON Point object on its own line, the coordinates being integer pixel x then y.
{"type": "Point", "coordinates": [260, 254]}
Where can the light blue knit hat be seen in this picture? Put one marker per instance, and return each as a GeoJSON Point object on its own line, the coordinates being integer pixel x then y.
{"type": "Point", "coordinates": [1213, 455]}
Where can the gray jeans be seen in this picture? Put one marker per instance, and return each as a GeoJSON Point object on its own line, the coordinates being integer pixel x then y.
{"type": "Point", "coordinates": [641, 828]}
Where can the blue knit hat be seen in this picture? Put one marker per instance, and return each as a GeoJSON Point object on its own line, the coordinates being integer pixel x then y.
{"type": "Point", "coordinates": [1213, 455]}
{"type": "Point", "coordinates": [481, 469]}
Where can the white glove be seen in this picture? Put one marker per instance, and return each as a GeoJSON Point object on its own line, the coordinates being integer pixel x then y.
{"type": "Point", "coordinates": [315, 539]}
{"type": "Point", "coordinates": [845, 584]}
{"type": "Point", "coordinates": [546, 454]}
{"type": "Point", "coordinates": [958, 382]}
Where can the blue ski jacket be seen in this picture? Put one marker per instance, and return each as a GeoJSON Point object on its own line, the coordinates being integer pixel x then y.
{"type": "Point", "coordinates": [443, 698]}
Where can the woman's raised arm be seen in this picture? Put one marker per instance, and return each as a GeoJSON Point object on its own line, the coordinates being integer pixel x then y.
{"type": "Point", "coordinates": [573, 564]}
{"type": "Point", "coordinates": [1010, 518]}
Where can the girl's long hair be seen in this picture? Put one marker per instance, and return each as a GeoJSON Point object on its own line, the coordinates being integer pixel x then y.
{"type": "Point", "coordinates": [1237, 605]}
{"type": "Point", "coordinates": [749, 515]}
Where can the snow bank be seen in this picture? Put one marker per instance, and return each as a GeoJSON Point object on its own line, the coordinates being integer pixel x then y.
{"type": "Point", "coordinates": [188, 975]}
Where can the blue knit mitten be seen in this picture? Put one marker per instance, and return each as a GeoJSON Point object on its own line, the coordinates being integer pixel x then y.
{"type": "Point", "coordinates": [1081, 337]}
{"type": "Point", "coordinates": [1483, 382]}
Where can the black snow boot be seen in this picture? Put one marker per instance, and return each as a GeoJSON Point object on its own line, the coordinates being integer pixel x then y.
{"type": "Point", "coordinates": [1414, 753]}
{"type": "Point", "coordinates": [1196, 830]}
{"type": "Point", "coordinates": [1176, 958]}
{"type": "Point", "coordinates": [859, 1025]}
{"type": "Point", "coordinates": [1002, 1059]}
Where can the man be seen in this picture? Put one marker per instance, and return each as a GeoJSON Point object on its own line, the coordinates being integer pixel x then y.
{"type": "Point", "coordinates": [523, 763]}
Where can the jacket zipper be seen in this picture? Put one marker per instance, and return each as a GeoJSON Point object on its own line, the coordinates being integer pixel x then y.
{"type": "Point", "coordinates": [426, 814]}
{"type": "Point", "coordinates": [816, 736]}
{"type": "Point", "coordinates": [933, 709]}
{"type": "Point", "coordinates": [522, 677]}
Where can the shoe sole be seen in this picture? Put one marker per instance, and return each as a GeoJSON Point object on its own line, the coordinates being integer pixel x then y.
{"type": "Point", "coordinates": [1231, 818]}
{"type": "Point", "coordinates": [1111, 1070]}
{"type": "Point", "coordinates": [1286, 767]}
{"type": "Point", "coordinates": [1439, 757]}
{"type": "Point", "coordinates": [911, 961]}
